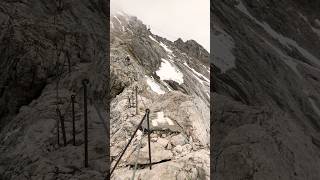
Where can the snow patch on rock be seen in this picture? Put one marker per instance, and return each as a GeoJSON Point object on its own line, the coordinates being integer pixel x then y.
{"type": "Point", "coordinates": [197, 73]}
{"type": "Point", "coordinates": [162, 120]}
{"type": "Point", "coordinates": [165, 47]}
{"type": "Point", "coordinates": [154, 86]}
{"type": "Point", "coordinates": [153, 39]}
{"type": "Point", "coordinates": [282, 39]}
{"type": "Point", "coordinates": [111, 23]}
{"type": "Point", "coordinates": [169, 72]}
{"type": "Point", "coordinates": [117, 19]}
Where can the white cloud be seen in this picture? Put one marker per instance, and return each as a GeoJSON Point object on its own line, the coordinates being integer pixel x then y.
{"type": "Point", "coordinates": [187, 19]}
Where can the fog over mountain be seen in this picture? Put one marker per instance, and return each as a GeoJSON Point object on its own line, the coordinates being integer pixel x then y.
{"type": "Point", "coordinates": [171, 19]}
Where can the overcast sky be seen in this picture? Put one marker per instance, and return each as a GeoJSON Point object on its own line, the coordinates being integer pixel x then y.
{"type": "Point", "coordinates": [187, 19]}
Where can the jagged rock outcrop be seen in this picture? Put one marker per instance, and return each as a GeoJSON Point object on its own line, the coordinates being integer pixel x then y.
{"type": "Point", "coordinates": [174, 85]}
{"type": "Point", "coordinates": [266, 96]}
{"type": "Point", "coordinates": [193, 49]}
{"type": "Point", "coordinates": [47, 49]}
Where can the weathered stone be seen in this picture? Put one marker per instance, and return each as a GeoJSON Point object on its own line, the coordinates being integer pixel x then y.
{"type": "Point", "coordinates": [163, 142]}
{"type": "Point", "coordinates": [178, 140]}
{"type": "Point", "coordinates": [178, 149]}
{"type": "Point", "coordinates": [158, 152]}
{"type": "Point", "coordinates": [169, 146]}
{"type": "Point", "coordinates": [154, 139]}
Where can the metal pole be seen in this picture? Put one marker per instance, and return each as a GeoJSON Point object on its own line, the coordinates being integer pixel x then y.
{"type": "Point", "coordinates": [132, 136]}
{"type": "Point", "coordinates": [73, 119]}
{"type": "Point", "coordinates": [129, 102]}
{"type": "Point", "coordinates": [137, 111]}
{"type": "Point", "coordinates": [147, 112]}
{"type": "Point", "coordinates": [58, 138]}
{"type": "Point", "coordinates": [85, 82]}
{"type": "Point", "coordinates": [132, 99]}
{"type": "Point", "coordinates": [62, 128]}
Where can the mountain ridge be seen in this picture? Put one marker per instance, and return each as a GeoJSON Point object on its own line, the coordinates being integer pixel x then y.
{"type": "Point", "coordinates": [175, 87]}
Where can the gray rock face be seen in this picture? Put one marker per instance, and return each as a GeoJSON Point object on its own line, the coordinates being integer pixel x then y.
{"type": "Point", "coordinates": [266, 90]}
{"type": "Point", "coordinates": [178, 140]}
{"type": "Point", "coordinates": [174, 85]}
{"type": "Point", "coordinates": [40, 40]}
{"type": "Point", "coordinates": [193, 49]}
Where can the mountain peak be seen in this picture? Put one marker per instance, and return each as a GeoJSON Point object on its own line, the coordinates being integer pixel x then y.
{"type": "Point", "coordinates": [192, 48]}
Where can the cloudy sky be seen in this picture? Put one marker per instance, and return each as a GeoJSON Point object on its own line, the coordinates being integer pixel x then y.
{"type": "Point", "coordinates": [187, 19]}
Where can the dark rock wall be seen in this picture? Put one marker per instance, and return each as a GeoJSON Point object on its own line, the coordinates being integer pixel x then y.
{"type": "Point", "coordinates": [45, 45]}
{"type": "Point", "coordinates": [262, 107]}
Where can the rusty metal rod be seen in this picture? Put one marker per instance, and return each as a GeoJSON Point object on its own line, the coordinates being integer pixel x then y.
{"type": "Point", "coordinates": [73, 121]}
{"type": "Point", "coordinates": [58, 137]}
{"type": "Point", "coordinates": [62, 127]}
{"type": "Point", "coordinates": [85, 109]}
{"type": "Point", "coordinates": [129, 101]}
{"type": "Point", "coordinates": [149, 144]}
{"type": "Point", "coordinates": [132, 136]}
{"type": "Point", "coordinates": [137, 110]}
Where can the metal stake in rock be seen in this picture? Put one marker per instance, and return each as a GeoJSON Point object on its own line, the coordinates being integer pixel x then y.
{"type": "Point", "coordinates": [58, 138]}
{"type": "Point", "coordinates": [126, 147]}
{"type": "Point", "coordinates": [148, 124]}
{"type": "Point", "coordinates": [129, 101]}
{"type": "Point", "coordinates": [137, 110]}
{"type": "Point", "coordinates": [132, 99]}
{"type": "Point", "coordinates": [73, 119]}
{"type": "Point", "coordinates": [85, 109]}
{"type": "Point", "coordinates": [62, 128]}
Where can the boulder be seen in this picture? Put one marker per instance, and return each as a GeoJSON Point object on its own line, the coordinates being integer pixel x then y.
{"type": "Point", "coordinates": [179, 139]}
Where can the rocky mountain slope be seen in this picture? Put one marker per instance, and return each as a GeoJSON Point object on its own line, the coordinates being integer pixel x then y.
{"type": "Point", "coordinates": [266, 93]}
{"type": "Point", "coordinates": [47, 48]}
{"type": "Point", "coordinates": [172, 80]}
